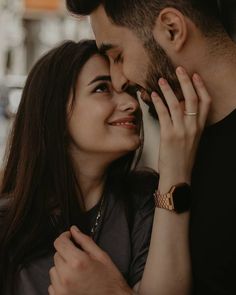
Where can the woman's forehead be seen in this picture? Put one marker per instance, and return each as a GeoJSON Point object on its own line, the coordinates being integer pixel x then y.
{"type": "Point", "coordinates": [97, 65]}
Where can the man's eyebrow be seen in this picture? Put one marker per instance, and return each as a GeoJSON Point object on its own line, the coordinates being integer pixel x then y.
{"type": "Point", "coordinates": [106, 47]}
{"type": "Point", "coordinates": [100, 78]}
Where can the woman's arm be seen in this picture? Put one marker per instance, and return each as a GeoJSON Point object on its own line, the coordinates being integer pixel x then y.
{"type": "Point", "coordinates": [168, 268]}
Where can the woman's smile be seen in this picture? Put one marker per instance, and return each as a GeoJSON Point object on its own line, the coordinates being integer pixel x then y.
{"type": "Point", "coordinates": [130, 123]}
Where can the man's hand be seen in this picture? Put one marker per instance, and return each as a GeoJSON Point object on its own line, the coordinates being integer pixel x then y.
{"type": "Point", "coordinates": [85, 270]}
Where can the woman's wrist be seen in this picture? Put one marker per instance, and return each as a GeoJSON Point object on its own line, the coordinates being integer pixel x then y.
{"type": "Point", "coordinates": [165, 183]}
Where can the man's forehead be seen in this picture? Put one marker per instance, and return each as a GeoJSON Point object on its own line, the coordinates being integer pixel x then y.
{"type": "Point", "coordinates": [100, 21]}
{"type": "Point", "coordinates": [106, 32]}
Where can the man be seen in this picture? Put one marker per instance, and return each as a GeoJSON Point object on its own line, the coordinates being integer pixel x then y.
{"type": "Point", "coordinates": [146, 40]}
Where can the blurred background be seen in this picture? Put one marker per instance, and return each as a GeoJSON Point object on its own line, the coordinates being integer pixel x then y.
{"type": "Point", "coordinates": [28, 28]}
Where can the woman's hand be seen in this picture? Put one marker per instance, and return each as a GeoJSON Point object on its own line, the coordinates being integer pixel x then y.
{"type": "Point", "coordinates": [180, 128]}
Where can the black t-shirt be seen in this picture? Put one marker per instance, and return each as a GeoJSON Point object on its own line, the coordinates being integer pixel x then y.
{"type": "Point", "coordinates": [124, 232]}
{"type": "Point", "coordinates": [213, 215]}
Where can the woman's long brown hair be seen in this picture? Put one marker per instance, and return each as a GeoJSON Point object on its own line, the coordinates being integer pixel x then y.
{"type": "Point", "coordinates": [38, 175]}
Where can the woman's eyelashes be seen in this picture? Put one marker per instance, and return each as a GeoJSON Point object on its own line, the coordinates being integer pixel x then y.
{"type": "Point", "coordinates": [103, 88]}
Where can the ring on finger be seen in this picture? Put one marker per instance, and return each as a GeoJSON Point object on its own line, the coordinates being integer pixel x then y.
{"type": "Point", "coordinates": [190, 113]}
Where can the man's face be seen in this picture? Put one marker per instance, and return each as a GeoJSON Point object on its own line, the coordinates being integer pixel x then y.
{"type": "Point", "coordinates": [132, 62]}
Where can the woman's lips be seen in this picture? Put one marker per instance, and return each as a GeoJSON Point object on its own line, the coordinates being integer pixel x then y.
{"type": "Point", "coordinates": [127, 122]}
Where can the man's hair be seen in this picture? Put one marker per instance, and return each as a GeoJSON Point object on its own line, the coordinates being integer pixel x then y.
{"type": "Point", "coordinates": [140, 15]}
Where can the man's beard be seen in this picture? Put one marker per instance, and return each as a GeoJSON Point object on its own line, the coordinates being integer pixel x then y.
{"type": "Point", "coordinates": [160, 66]}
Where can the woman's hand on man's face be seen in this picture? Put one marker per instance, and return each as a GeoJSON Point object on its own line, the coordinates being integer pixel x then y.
{"type": "Point", "coordinates": [181, 126]}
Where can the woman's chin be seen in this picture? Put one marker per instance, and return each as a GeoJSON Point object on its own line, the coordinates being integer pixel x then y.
{"type": "Point", "coordinates": [129, 147]}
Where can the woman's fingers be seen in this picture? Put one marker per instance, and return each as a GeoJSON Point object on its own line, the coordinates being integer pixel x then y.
{"type": "Point", "coordinates": [172, 102]}
{"type": "Point", "coordinates": [204, 100]}
{"type": "Point", "coordinates": [162, 112]}
{"type": "Point", "coordinates": [196, 103]}
{"type": "Point", "coordinates": [190, 95]}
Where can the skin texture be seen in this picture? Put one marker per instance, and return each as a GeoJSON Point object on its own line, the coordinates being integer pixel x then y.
{"type": "Point", "coordinates": [97, 106]}
{"type": "Point", "coordinates": [138, 64]}
{"type": "Point", "coordinates": [96, 141]}
{"type": "Point", "coordinates": [183, 44]}
{"type": "Point", "coordinates": [169, 251]}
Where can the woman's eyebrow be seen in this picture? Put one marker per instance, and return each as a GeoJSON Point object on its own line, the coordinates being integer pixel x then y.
{"type": "Point", "coordinates": [100, 78]}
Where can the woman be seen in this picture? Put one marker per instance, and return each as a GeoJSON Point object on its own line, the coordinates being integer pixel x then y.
{"type": "Point", "coordinates": [72, 162]}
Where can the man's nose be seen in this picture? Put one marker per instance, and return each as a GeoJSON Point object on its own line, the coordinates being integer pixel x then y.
{"type": "Point", "coordinates": [127, 103]}
{"type": "Point", "coordinates": [119, 81]}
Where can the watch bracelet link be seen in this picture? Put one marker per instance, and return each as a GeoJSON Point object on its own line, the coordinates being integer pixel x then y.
{"type": "Point", "coordinates": [164, 201]}
{"type": "Point", "coordinates": [177, 199]}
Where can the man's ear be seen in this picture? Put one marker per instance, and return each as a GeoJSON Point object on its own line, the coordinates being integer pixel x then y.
{"type": "Point", "coordinates": [170, 30]}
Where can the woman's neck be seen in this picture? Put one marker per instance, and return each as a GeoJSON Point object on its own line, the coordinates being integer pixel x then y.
{"type": "Point", "coordinates": [91, 175]}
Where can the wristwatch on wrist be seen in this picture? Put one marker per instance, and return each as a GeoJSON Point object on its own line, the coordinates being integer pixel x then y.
{"type": "Point", "coordinates": [178, 199]}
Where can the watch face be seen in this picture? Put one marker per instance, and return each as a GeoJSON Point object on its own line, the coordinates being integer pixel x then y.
{"type": "Point", "coordinates": [182, 198]}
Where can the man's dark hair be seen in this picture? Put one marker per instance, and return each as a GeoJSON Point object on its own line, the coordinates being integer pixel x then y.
{"type": "Point", "coordinates": [140, 16]}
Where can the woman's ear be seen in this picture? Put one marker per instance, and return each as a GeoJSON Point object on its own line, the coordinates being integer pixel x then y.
{"type": "Point", "coordinates": [170, 30]}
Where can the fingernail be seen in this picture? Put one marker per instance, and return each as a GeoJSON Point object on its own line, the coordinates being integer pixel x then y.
{"type": "Point", "coordinates": [74, 227]}
{"type": "Point", "coordinates": [154, 95]}
{"type": "Point", "coordinates": [180, 70]}
{"type": "Point", "coordinates": [162, 81]}
{"type": "Point", "coordinates": [197, 78]}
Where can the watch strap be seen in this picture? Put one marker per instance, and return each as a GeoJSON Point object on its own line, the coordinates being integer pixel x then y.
{"type": "Point", "coordinates": [164, 201]}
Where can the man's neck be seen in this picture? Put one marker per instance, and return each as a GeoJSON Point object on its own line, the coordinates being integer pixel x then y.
{"type": "Point", "coordinates": [218, 71]}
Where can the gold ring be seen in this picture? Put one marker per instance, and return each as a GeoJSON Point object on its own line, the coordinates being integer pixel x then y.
{"type": "Point", "coordinates": [190, 113]}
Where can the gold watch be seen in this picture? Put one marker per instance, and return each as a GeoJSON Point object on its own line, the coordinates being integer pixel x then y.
{"type": "Point", "coordinates": [178, 199]}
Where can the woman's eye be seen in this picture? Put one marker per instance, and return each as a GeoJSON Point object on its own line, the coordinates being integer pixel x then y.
{"type": "Point", "coordinates": [102, 88]}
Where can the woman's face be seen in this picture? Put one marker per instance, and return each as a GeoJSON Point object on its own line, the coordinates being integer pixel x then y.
{"type": "Point", "coordinates": [103, 121]}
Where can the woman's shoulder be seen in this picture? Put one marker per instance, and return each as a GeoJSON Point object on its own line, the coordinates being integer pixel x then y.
{"type": "Point", "coordinates": [141, 184]}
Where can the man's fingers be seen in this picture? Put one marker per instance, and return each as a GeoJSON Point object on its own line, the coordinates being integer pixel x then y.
{"type": "Point", "coordinates": [67, 249]}
{"type": "Point", "coordinates": [60, 265]}
{"type": "Point", "coordinates": [55, 282]}
{"type": "Point", "coordinates": [54, 277]}
{"type": "Point", "coordinates": [88, 245]}
{"type": "Point", "coordinates": [59, 261]}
